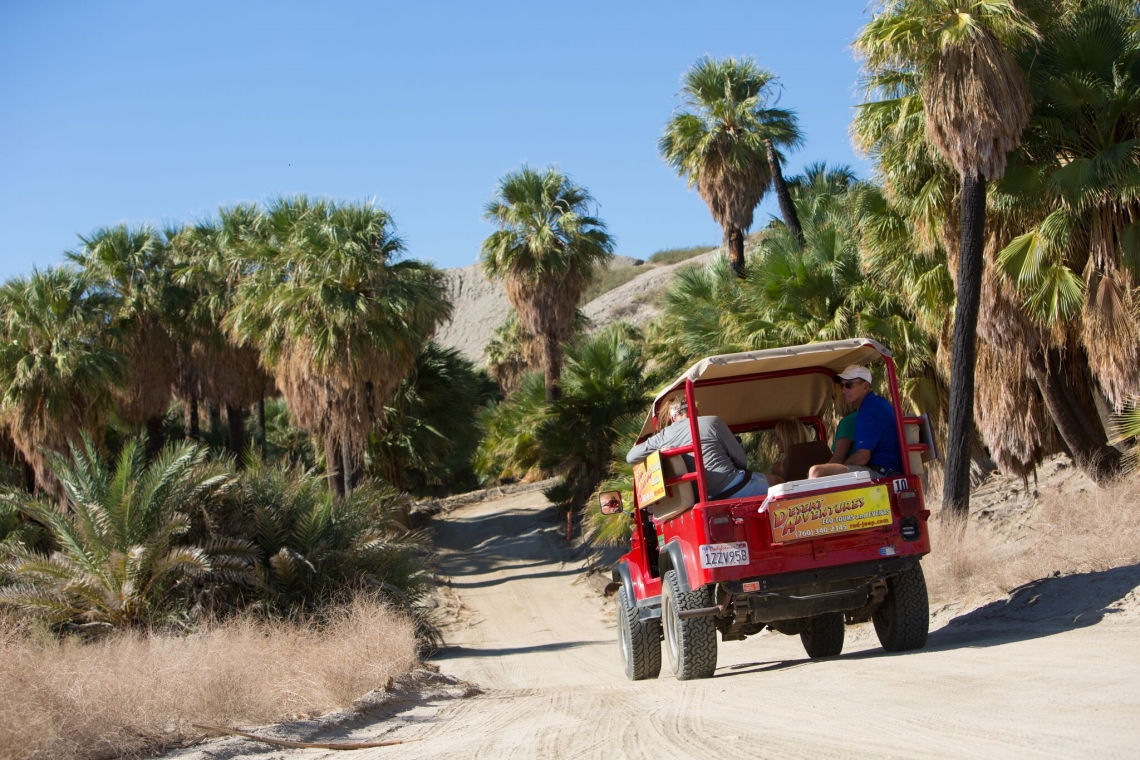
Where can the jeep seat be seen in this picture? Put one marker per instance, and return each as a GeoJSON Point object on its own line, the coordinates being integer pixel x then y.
{"type": "Point", "coordinates": [802, 456]}
{"type": "Point", "coordinates": [684, 495]}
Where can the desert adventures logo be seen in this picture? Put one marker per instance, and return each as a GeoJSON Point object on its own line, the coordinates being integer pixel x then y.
{"type": "Point", "coordinates": [821, 516]}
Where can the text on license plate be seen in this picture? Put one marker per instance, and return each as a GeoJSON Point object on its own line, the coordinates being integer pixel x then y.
{"type": "Point", "coordinates": [724, 555]}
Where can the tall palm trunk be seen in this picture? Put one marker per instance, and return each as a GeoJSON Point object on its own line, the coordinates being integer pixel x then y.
{"type": "Point", "coordinates": [552, 366]}
{"type": "Point", "coordinates": [155, 437]}
{"type": "Point", "coordinates": [334, 466]}
{"type": "Point", "coordinates": [29, 476]}
{"type": "Point", "coordinates": [971, 263]}
{"type": "Point", "coordinates": [787, 207]}
{"type": "Point", "coordinates": [192, 411]}
{"type": "Point", "coordinates": [261, 425]}
{"type": "Point", "coordinates": [1085, 439]}
{"type": "Point", "coordinates": [734, 242]}
{"type": "Point", "coordinates": [237, 434]}
{"type": "Point", "coordinates": [215, 416]}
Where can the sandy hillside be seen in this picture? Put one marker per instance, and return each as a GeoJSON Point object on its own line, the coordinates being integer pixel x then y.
{"type": "Point", "coordinates": [481, 305]}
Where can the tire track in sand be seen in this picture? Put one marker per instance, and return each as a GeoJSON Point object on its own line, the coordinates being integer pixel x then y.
{"type": "Point", "coordinates": [544, 651]}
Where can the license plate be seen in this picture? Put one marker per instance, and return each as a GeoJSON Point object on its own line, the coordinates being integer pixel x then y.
{"type": "Point", "coordinates": [724, 555]}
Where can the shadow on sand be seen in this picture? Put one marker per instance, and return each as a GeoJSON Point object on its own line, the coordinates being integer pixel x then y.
{"type": "Point", "coordinates": [1044, 607]}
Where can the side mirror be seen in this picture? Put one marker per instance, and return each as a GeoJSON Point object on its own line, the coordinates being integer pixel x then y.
{"type": "Point", "coordinates": [611, 502]}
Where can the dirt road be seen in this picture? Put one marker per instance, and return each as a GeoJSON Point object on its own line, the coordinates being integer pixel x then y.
{"type": "Point", "coordinates": [1018, 678]}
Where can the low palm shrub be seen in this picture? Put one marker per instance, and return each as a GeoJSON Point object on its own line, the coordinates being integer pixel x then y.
{"type": "Point", "coordinates": [615, 530]}
{"type": "Point", "coordinates": [511, 445]}
{"type": "Point", "coordinates": [311, 549]}
{"type": "Point", "coordinates": [119, 555]}
{"type": "Point", "coordinates": [604, 378]}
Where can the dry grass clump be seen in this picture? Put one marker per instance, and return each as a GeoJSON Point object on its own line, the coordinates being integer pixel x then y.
{"type": "Point", "coordinates": [129, 693]}
{"type": "Point", "coordinates": [1067, 533]}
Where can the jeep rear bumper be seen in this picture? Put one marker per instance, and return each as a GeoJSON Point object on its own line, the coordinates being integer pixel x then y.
{"type": "Point", "coordinates": [790, 596]}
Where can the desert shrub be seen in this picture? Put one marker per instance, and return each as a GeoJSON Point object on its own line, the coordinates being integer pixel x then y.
{"type": "Point", "coordinates": [1065, 534]}
{"type": "Point", "coordinates": [610, 277]}
{"type": "Point", "coordinates": [119, 556]}
{"type": "Point", "coordinates": [311, 549]}
{"type": "Point", "coordinates": [677, 255]}
{"type": "Point", "coordinates": [133, 692]}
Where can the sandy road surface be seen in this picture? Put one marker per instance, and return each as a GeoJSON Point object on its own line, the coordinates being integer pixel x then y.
{"type": "Point", "coordinates": [1018, 678]}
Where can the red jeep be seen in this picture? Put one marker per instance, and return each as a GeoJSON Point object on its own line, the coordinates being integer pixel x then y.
{"type": "Point", "coordinates": [808, 558]}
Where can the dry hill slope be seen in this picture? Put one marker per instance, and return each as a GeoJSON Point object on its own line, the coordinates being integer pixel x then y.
{"type": "Point", "coordinates": [481, 305]}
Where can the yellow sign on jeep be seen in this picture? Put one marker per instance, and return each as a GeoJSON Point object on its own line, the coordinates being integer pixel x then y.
{"type": "Point", "coordinates": [829, 513]}
{"type": "Point", "coordinates": [649, 480]}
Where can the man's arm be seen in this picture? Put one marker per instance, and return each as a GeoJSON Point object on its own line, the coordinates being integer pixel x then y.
{"type": "Point", "coordinates": [639, 452]}
{"type": "Point", "coordinates": [869, 427]}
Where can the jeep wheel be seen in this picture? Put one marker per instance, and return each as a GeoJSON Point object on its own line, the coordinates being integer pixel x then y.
{"type": "Point", "coordinates": [691, 644]}
{"type": "Point", "coordinates": [638, 641]}
{"type": "Point", "coordinates": [823, 636]}
{"type": "Point", "coordinates": [903, 619]}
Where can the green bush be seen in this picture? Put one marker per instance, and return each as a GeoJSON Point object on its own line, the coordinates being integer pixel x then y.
{"type": "Point", "coordinates": [604, 378]}
{"type": "Point", "coordinates": [677, 255]}
{"type": "Point", "coordinates": [615, 530]}
{"type": "Point", "coordinates": [511, 445]}
{"type": "Point", "coordinates": [311, 549]}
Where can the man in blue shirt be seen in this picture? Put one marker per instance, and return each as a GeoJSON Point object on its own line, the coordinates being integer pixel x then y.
{"type": "Point", "coordinates": [876, 447]}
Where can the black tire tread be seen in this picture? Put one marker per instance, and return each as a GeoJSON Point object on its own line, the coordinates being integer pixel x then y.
{"type": "Point", "coordinates": [824, 636]}
{"type": "Point", "coordinates": [696, 636]}
{"type": "Point", "coordinates": [902, 622]}
{"type": "Point", "coordinates": [645, 641]}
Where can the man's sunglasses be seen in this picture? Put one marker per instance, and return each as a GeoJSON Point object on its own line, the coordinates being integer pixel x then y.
{"type": "Point", "coordinates": [848, 384]}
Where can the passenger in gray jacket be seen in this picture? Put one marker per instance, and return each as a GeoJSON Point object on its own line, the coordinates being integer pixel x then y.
{"type": "Point", "coordinates": [726, 468]}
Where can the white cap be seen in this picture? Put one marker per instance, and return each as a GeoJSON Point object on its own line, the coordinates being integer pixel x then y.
{"type": "Point", "coordinates": [855, 372]}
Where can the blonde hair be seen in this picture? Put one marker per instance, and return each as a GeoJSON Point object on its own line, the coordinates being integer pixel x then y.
{"type": "Point", "coordinates": [791, 432]}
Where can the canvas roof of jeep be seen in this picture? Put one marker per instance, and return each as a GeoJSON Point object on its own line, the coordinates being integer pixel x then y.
{"type": "Point", "coordinates": [768, 396]}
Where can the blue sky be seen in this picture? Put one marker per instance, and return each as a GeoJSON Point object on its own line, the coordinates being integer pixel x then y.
{"type": "Point", "coordinates": [161, 112]}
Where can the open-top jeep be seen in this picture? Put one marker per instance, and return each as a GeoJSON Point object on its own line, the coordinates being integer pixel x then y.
{"type": "Point", "coordinates": [810, 557]}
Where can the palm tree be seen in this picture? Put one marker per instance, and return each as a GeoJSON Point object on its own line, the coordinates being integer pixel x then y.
{"type": "Point", "coordinates": [976, 103]}
{"type": "Point", "coordinates": [337, 319]}
{"type": "Point", "coordinates": [907, 229]}
{"type": "Point", "coordinates": [797, 294]}
{"type": "Point", "coordinates": [58, 375]}
{"type": "Point", "coordinates": [430, 429]}
{"type": "Point", "coordinates": [212, 257]}
{"type": "Point", "coordinates": [721, 143]}
{"type": "Point", "coordinates": [546, 251]}
{"type": "Point", "coordinates": [605, 379]}
{"type": "Point", "coordinates": [1075, 271]}
{"type": "Point", "coordinates": [132, 267]}
{"type": "Point", "coordinates": [121, 559]}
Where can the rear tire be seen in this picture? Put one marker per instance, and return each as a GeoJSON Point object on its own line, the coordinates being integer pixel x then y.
{"type": "Point", "coordinates": [902, 621]}
{"type": "Point", "coordinates": [639, 642]}
{"type": "Point", "coordinates": [690, 644]}
{"type": "Point", "coordinates": [823, 636]}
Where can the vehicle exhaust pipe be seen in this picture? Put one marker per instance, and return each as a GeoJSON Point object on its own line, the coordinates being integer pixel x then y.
{"type": "Point", "coordinates": [702, 612]}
